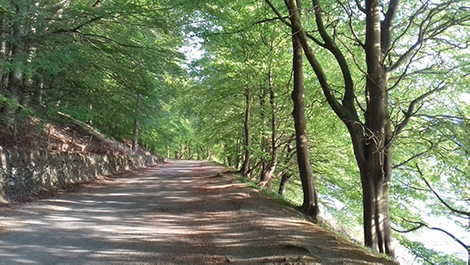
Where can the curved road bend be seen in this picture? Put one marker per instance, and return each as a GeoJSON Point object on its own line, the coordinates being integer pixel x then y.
{"type": "Point", "coordinates": [178, 213]}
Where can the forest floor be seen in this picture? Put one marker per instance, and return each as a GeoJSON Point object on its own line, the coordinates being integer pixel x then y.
{"type": "Point", "coordinates": [64, 134]}
{"type": "Point", "coordinates": [180, 212]}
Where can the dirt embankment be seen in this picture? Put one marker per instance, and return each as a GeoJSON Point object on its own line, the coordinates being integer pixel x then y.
{"type": "Point", "coordinates": [66, 135]}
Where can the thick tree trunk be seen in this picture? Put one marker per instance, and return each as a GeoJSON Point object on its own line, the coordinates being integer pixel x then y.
{"type": "Point", "coordinates": [375, 187]}
{"type": "Point", "coordinates": [372, 141]}
{"type": "Point", "coordinates": [376, 174]}
{"type": "Point", "coordinates": [310, 202]}
{"type": "Point", "coordinates": [246, 162]}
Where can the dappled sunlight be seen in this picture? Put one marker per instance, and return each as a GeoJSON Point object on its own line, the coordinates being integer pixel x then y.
{"type": "Point", "coordinates": [172, 213]}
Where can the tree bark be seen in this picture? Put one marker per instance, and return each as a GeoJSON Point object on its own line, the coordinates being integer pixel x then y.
{"type": "Point", "coordinates": [286, 176]}
{"type": "Point", "coordinates": [3, 50]}
{"type": "Point", "coordinates": [372, 141]}
{"type": "Point", "coordinates": [135, 143]}
{"type": "Point", "coordinates": [208, 154]}
{"type": "Point", "coordinates": [246, 162]}
{"type": "Point", "coordinates": [376, 175]}
{"type": "Point", "coordinates": [310, 202]}
{"type": "Point", "coordinates": [239, 154]}
{"type": "Point", "coordinates": [15, 77]}
{"type": "Point", "coordinates": [268, 174]}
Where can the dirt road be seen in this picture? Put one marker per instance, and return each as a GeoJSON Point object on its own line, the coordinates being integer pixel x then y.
{"type": "Point", "coordinates": [178, 213]}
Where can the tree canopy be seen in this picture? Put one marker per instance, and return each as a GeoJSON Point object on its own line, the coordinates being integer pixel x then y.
{"type": "Point", "coordinates": [386, 97]}
{"type": "Point", "coordinates": [91, 59]}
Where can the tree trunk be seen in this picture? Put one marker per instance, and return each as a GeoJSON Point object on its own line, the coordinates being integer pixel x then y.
{"type": "Point", "coordinates": [310, 202]}
{"type": "Point", "coordinates": [135, 143]}
{"type": "Point", "coordinates": [239, 154]}
{"type": "Point", "coordinates": [208, 155]}
{"type": "Point", "coordinates": [375, 178]}
{"type": "Point", "coordinates": [15, 77]}
{"type": "Point", "coordinates": [246, 162]}
{"type": "Point", "coordinates": [372, 141]}
{"type": "Point", "coordinates": [285, 178]}
{"type": "Point", "coordinates": [3, 50]}
{"type": "Point", "coordinates": [376, 174]}
{"type": "Point", "coordinates": [264, 142]}
{"type": "Point", "coordinates": [268, 175]}
{"type": "Point", "coordinates": [189, 151]}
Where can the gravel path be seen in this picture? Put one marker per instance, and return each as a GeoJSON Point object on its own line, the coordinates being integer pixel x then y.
{"type": "Point", "coordinates": [182, 212]}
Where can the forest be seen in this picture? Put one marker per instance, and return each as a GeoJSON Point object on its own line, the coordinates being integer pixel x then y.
{"type": "Point", "coordinates": [354, 110]}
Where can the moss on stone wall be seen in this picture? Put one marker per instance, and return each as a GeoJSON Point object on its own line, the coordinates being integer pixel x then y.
{"type": "Point", "coordinates": [25, 173]}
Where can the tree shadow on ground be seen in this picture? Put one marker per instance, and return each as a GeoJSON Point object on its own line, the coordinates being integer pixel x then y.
{"type": "Point", "coordinates": [182, 212]}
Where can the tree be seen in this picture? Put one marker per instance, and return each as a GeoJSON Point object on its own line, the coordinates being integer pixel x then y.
{"type": "Point", "coordinates": [89, 60]}
{"type": "Point", "coordinates": [310, 204]}
{"type": "Point", "coordinates": [391, 55]}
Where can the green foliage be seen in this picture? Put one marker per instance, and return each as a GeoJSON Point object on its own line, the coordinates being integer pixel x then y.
{"type": "Point", "coordinates": [243, 40]}
{"type": "Point", "coordinates": [91, 61]}
{"type": "Point", "coordinates": [426, 255]}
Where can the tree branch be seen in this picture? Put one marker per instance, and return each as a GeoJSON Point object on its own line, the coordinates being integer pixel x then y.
{"type": "Point", "coordinates": [387, 26]}
{"type": "Point", "coordinates": [410, 112]}
{"type": "Point", "coordinates": [423, 29]}
{"type": "Point", "coordinates": [114, 41]}
{"type": "Point", "coordinates": [410, 23]}
{"type": "Point", "coordinates": [76, 28]}
{"type": "Point", "coordinates": [349, 95]}
{"type": "Point", "coordinates": [409, 230]}
{"type": "Point", "coordinates": [360, 7]}
{"type": "Point", "coordinates": [351, 27]}
{"type": "Point", "coordinates": [439, 197]}
{"type": "Point", "coordinates": [452, 118]}
{"type": "Point", "coordinates": [421, 224]}
{"type": "Point", "coordinates": [268, 20]}
{"type": "Point", "coordinates": [284, 20]}
{"type": "Point", "coordinates": [413, 157]}
{"type": "Point", "coordinates": [347, 114]}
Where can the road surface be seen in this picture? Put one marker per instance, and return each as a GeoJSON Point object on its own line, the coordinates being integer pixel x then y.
{"type": "Point", "coordinates": [182, 212]}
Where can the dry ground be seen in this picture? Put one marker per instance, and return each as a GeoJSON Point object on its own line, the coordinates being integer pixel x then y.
{"type": "Point", "coordinates": [64, 134]}
{"type": "Point", "coordinates": [182, 212]}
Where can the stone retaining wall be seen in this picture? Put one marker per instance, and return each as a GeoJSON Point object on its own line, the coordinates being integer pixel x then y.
{"type": "Point", "coordinates": [25, 173]}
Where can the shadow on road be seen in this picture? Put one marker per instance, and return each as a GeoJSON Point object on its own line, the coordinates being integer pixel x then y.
{"type": "Point", "coordinates": [180, 212]}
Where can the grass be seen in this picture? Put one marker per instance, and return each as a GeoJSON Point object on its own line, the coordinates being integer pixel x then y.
{"type": "Point", "coordinates": [295, 189]}
{"type": "Point", "coordinates": [268, 191]}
